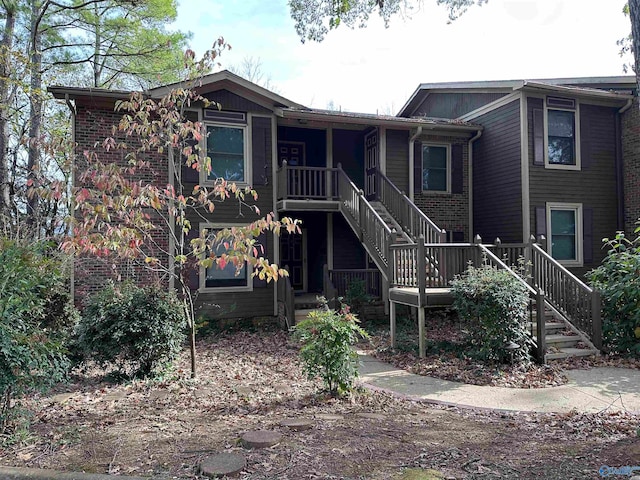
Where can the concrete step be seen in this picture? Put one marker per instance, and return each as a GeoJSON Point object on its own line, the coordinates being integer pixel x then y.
{"type": "Point", "coordinates": [550, 327]}
{"type": "Point", "coordinates": [570, 352]}
{"type": "Point", "coordinates": [302, 313]}
{"type": "Point", "coordinates": [562, 341]}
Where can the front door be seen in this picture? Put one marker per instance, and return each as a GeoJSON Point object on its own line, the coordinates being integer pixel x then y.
{"type": "Point", "coordinates": [292, 152]}
{"type": "Point", "coordinates": [370, 164]}
{"type": "Point", "coordinates": [293, 255]}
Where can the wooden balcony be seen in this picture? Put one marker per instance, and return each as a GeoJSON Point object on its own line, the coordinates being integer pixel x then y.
{"type": "Point", "coordinates": [307, 189]}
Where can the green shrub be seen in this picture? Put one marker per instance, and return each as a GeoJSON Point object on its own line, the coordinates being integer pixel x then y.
{"type": "Point", "coordinates": [137, 330]}
{"type": "Point", "coordinates": [356, 295]}
{"type": "Point", "coordinates": [618, 280]}
{"type": "Point", "coordinates": [32, 340]}
{"type": "Point", "coordinates": [496, 303]}
{"type": "Point", "coordinates": [327, 338]}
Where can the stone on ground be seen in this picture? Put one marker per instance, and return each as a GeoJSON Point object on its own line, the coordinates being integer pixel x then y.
{"type": "Point", "coordinates": [222, 464]}
{"type": "Point", "coordinates": [420, 474]}
{"type": "Point", "coordinates": [329, 416]}
{"type": "Point", "coordinates": [371, 416]}
{"type": "Point", "coordinates": [261, 439]}
{"type": "Point", "coordinates": [297, 424]}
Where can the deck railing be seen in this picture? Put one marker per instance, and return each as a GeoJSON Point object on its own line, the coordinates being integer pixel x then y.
{"type": "Point", "coordinates": [315, 183]}
{"type": "Point", "coordinates": [413, 267]}
{"type": "Point", "coordinates": [370, 277]}
{"type": "Point", "coordinates": [410, 218]}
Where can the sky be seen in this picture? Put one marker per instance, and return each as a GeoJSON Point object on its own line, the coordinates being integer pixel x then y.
{"type": "Point", "coordinates": [376, 69]}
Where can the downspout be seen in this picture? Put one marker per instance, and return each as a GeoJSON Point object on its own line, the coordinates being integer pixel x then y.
{"type": "Point", "coordinates": [470, 180]}
{"type": "Point", "coordinates": [72, 108]}
{"type": "Point", "coordinates": [412, 162]}
{"type": "Point", "coordinates": [620, 166]}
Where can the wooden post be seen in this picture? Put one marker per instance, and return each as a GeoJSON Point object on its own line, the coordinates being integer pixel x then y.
{"type": "Point", "coordinates": [285, 179]}
{"type": "Point", "coordinates": [477, 240]}
{"type": "Point", "coordinates": [542, 241]}
{"type": "Point", "coordinates": [422, 272]}
{"type": "Point", "coordinates": [540, 326]}
{"type": "Point", "coordinates": [442, 236]}
{"type": "Point", "coordinates": [528, 261]}
{"type": "Point", "coordinates": [361, 209]}
{"type": "Point", "coordinates": [596, 318]}
{"type": "Point", "coordinates": [392, 324]}
{"type": "Point", "coordinates": [422, 345]}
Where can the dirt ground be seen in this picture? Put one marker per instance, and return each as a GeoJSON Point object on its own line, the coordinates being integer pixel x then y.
{"type": "Point", "coordinates": [252, 381]}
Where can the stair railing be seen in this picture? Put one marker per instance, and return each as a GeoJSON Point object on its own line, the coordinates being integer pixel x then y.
{"type": "Point", "coordinates": [328, 288]}
{"type": "Point", "coordinates": [372, 231]}
{"type": "Point", "coordinates": [412, 220]}
{"type": "Point", "coordinates": [286, 298]}
{"type": "Point", "coordinates": [579, 303]}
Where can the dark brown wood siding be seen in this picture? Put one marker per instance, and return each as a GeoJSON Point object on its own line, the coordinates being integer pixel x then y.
{"type": "Point", "coordinates": [497, 181]}
{"type": "Point", "coordinates": [258, 302]}
{"type": "Point", "coordinates": [348, 151]}
{"type": "Point", "coordinates": [231, 101]}
{"type": "Point", "coordinates": [348, 252]}
{"type": "Point", "coordinates": [453, 105]}
{"type": "Point", "coordinates": [594, 186]}
{"type": "Point", "coordinates": [398, 158]}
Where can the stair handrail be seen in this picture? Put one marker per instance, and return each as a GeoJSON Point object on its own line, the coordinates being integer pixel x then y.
{"type": "Point", "coordinates": [329, 290]}
{"type": "Point", "coordinates": [407, 213]}
{"type": "Point", "coordinates": [285, 294]}
{"type": "Point", "coordinates": [380, 234]}
{"type": "Point", "coordinates": [566, 293]}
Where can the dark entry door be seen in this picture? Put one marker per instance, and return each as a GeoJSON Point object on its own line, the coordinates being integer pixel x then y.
{"type": "Point", "coordinates": [292, 152]}
{"type": "Point", "coordinates": [370, 164]}
{"type": "Point", "coordinates": [293, 256]}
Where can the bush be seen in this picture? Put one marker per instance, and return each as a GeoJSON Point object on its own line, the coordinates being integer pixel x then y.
{"type": "Point", "coordinates": [32, 340]}
{"type": "Point", "coordinates": [496, 303]}
{"type": "Point", "coordinates": [327, 338]}
{"type": "Point", "coordinates": [137, 330]}
{"type": "Point", "coordinates": [356, 295]}
{"type": "Point", "coordinates": [618, 280]}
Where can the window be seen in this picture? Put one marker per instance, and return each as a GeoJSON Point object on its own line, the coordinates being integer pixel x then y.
{"type": "Point", "coordinates": [227, 149]}
{"type": "Point", "coordinates": [227, 278]}
{"type": "Point", "coordinates": [562, 140]}
{"type": "Point", "coordinates": [565, 232]}
{"type": "Point", "coordinates": [436, 161]}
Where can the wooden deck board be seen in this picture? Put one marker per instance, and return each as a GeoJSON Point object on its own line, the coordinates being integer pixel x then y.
{"type": "Point", "coordinates": [435, 297]}
{"type": "Point", "coordinates": [308, 205]}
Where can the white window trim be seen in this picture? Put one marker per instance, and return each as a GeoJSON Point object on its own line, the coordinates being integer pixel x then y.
{"type": "Point", "coordinates": [248, 154]}
{"type": "Point", "coordinates": [435, 144]}
{"type": "Point", "coordinates": [202, 274]}
{"type": "Point", "coordinates": [576, 113]}
{"type": "Point", "coordinates": [577, 209]}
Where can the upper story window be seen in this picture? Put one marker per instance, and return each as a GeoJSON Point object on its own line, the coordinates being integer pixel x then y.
{"type": "Point", "coordinates": [562, 134]}
{"type": "Point", "coordinates": [436, 167]}
{"type": "Point", "coordinates": [226, 147]}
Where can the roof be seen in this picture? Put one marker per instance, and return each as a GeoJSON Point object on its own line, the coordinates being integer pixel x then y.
{"type": "Point", "coordinates": [615, 87]}
{"type": "Point", "coordinates": [208, 83]}
{"type": "Point", "coordinates": [354, 118]}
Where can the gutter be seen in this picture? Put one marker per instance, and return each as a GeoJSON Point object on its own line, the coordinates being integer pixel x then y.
{"type": "Point", "coordinates": [619, 163]}
{"type": "Point", "coordinates": [412, 160]}
{"type": "Point", "coordinates": [470, 180]}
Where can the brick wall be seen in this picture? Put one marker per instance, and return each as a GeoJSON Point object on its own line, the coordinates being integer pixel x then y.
{"type": "Point", "coordinates": [631, 160]}
{"type": "Point", "coordinates": [448, 211]}
{"type": "Point", "coordinates": [94, 123]}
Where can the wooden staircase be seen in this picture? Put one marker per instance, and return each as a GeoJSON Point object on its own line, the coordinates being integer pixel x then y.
{"type": "Point", "coordinates": [304, 304]}
{"type": "Point", "coordinates": [563, 340]}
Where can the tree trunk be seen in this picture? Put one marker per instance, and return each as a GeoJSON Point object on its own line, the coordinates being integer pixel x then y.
{"type": "Point", "coordinates": [6, 44]}
{"type": "Point", "coordinates": [36, 102]}
{"type": "Point", "coordinates": [634, 15]}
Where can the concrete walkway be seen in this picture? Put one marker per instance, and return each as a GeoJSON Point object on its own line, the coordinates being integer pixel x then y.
{"type": "Point", "coordinates": [599, 389]}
